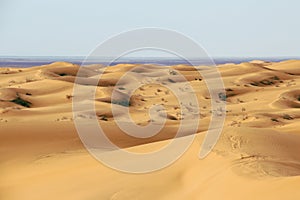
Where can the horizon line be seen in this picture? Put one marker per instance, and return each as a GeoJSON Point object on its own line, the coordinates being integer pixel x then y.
{"type": "Point", "coordinates": [141, 57]}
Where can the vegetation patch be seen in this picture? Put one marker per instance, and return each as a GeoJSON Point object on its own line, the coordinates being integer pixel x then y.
{"type": "Point", "coordinates": [229, 90]}
{"type": "Point", "coordinates": [21, 102]}
{"type": "Point", "coordinates": [266, 82]}
{"type": "Point", "coordinates": [172, 72]}
{"type": "Point", "coordinates": [287, 117]}
{"type": "Point", "coordinates": [222, 96]}
{"type": "Point", "coordinates": [125, 103]}
{"type": "Point", "coordinates": [63, 74]}
{"type": "Point", "coordinates": [254, 84]}
{"type": "Point", "coordinates": [270, 81]}
{"type": "Point", "coordinates": [276, 78]}
{"type": "Point", "coordinates": [69, 96]}
{"type": "Point", "coordinates": [103, 118]}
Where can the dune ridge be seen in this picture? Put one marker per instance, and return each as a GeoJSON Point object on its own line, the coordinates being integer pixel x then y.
{"type": "Point", "coordinates": [257, 156]}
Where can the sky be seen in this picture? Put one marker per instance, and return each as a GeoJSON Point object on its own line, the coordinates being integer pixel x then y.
{"type": "Point", "coordinates": [228, 28]}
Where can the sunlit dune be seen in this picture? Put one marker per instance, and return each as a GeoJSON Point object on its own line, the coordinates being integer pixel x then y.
{"type": "Point", "coordinates": [256, 157]}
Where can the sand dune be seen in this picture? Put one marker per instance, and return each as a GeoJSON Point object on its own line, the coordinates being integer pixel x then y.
{"type": "Point", "coordinates": [256, 157]}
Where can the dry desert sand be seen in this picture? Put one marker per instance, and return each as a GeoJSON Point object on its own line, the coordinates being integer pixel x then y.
{"type": "Point", "coordinates": [256, 157]}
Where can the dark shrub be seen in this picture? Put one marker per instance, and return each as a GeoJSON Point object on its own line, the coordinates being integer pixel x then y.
{"type": "Point", "coordinates": [287, 117]}
{"type": "Point", "coordinates": [21, 102]}
{"type": "Point", "coordinates": [125, 103]}
{"type": "Point", "coordinates": [266, 82]}
{"type": "Point", "coordinates": [276, 78]}
{"type": "Point", "coordinates": [103, 118]}
{"type": "Point", "coordinates": [254, 84]}
{"type": "Point", "coordinates": [222, 96]}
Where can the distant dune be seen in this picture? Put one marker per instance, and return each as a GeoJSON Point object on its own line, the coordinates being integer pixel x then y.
{"type": "Point", "coordinates": [256, 157]}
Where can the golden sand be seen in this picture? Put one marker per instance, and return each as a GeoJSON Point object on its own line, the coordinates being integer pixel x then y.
{"type": "Point", "coordinates": [257, 156]}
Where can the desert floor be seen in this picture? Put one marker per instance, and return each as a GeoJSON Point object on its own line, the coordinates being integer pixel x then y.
{"type": "Point", "coordinates": [256, 157]}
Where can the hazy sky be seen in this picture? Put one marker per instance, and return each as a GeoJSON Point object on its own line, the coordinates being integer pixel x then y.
{"type": "Point", "coordinates": [223, 27]}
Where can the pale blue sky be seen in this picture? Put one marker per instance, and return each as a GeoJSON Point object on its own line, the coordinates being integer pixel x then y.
{"type": "Point", "coordinates": [224, 28]}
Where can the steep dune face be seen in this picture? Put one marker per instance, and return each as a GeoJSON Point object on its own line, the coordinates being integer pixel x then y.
{"type": "Point", "coordinates": [256, 157]}
{"type": "Point", "coordinates": [289, 67]}
{"type": "Point", "coordinates": [289, 99]}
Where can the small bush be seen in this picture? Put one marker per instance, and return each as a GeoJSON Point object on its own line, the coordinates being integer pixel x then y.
{"type": "Point", "coordinates": [274, 120]}
{"type": "Point", "coordinates": [287, 117]}
{"type": "Point", "coordinates": [254, 84]}
{"type": "Point", "coordinates": [222, 96]}
{"type": "Point", "coordinates": [276, 78]}
{"type": "Point", "coordinates": [172, 72]}
{"type": "Point", "coordinates": [125, 103]}
{"type": "Point", "coordinates": [272, 81]}
{"type": "Point", "coordinates": [21, 102]}
{"type": "Point", "coordinates": [69, 96]}
{"type": "Point", "coordinates": [103, 118]}
{"type": "Point", "coordinates": [266, 82]}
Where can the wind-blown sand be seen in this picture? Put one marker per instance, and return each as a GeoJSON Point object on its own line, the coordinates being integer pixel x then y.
{"type": "Point", "coordinates": [257, 156]}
